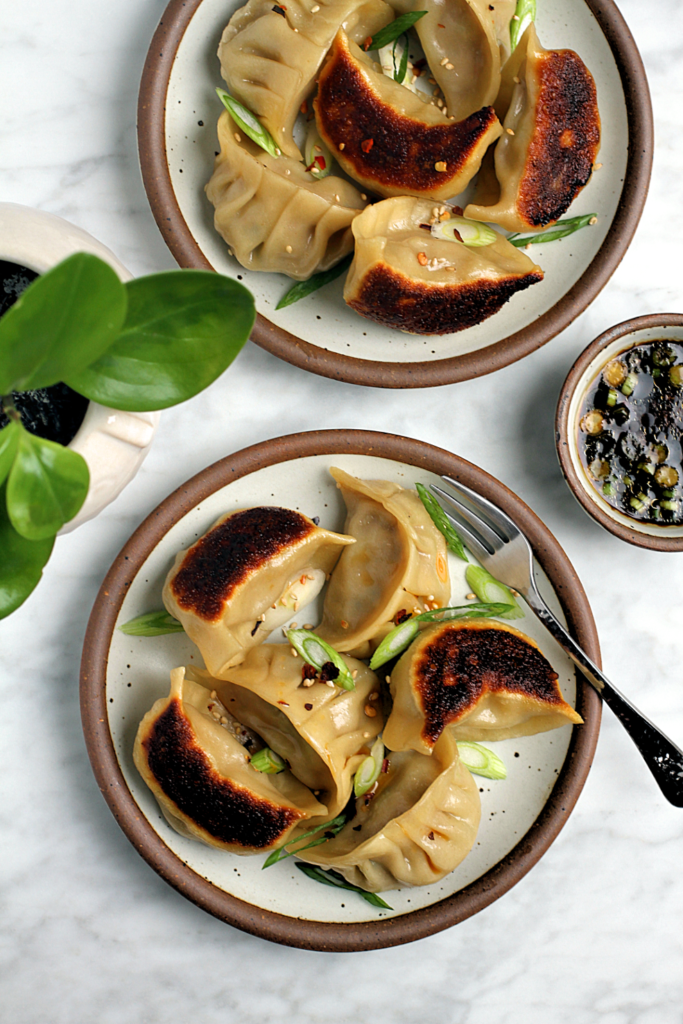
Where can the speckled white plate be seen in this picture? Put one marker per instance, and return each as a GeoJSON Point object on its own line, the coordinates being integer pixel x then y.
{"type": "Point", "coordinates": [177, 116]}
{"type": "Point", "coordinates": [123, 676]}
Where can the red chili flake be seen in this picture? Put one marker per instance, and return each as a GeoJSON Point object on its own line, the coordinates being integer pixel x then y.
{"type": "Point", "coordinates": [457, 210]}
{"type": "Point", "coordinates": [308, 671]}
{"type": "Point", "coordinates": [367, 145]}
{"type": "Point", "coordinates": [309, 707]}
{"type": "Point", "coordinates": [385, 766]}
{"type": "Point", "coordinates": [328, 672]}
{"type": "Point", "coordinates": [320, 161]}
{"type": "Point", "coordinates": [439, 25]}
{"type": "Point", "coordinates": [401, 616]}
{"type": "Point", "coordinates": [304, 107]}
{"type": "Point", "coordinates": [284, 703]}
{"type": "Point", "coordinates": [420, 64]}
{"type": "Point", "coordinates": [431, 836]}
{"type": "Point", "coordinates": [366, 44]}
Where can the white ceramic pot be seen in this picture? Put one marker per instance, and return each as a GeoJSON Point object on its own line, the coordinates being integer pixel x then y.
{"type": "Point", "coordinates": [113, 443]}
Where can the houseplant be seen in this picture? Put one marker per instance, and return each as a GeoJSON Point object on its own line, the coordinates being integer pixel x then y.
{"type": "Point", "coordinates": [138, 346]}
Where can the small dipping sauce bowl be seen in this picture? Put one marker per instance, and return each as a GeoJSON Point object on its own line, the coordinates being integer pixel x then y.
{"type": "Point", "coordinates": [615, 344]}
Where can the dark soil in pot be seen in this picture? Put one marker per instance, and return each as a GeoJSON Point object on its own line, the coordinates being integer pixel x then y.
{"type": "Point", "coordinates": [54, 413]}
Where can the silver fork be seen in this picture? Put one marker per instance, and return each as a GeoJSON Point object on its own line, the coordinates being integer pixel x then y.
{"type": "Point", "coordinates": [504, 551]}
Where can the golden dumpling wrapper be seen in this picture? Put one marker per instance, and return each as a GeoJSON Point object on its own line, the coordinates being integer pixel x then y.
{"type": "Point", "coordinates": [399, 564]}
{"type": "Point", "coordinates": [479, 680]}
{"type": "Point", "coordinates": [245, 577]}
{"type": "Point", "coordinates": [200, 774]}
{"type": "Point", "coordinates": [419, 823]}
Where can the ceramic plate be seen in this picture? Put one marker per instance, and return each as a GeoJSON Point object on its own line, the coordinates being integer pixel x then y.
{"type": "Point", "coordinates": [177, 117]}
{"type": "Point", "coordinates": [122, 677]}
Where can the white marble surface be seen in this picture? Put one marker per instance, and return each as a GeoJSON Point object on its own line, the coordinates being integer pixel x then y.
{"type": "Point", "coordinates": [89, 932]}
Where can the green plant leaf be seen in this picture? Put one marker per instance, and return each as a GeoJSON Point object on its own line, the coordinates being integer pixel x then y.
{"type": "Point", "coordinates": [46, 487]}
{"type": "Point", "coordinates": [64, 320]}
{"type": "Point", "coordinates": [21, 564]}
{"type": "Point", "coordinates": [9, 439]}
{"type": "Point", "coordinates": [182, 330]}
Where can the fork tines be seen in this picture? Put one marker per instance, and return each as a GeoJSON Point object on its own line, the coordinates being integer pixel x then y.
{"type": "Point", "coordinates": [484, 527]}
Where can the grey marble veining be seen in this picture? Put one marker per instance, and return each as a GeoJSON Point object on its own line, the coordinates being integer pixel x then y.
{"type": "Point", "coordinates": [89, 932]}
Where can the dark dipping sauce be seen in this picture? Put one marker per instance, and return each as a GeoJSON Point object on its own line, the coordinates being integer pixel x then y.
{"type": "Point", "coordinates": [53, 413]}
{"type": "Point", "coordinates": [630, 432]}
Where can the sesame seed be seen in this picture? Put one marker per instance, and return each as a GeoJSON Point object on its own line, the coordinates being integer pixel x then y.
{"type": "Point", "coordinates": [387, 679]}
{"type": "Point", "coordinates": [470, 597]}
{"type": "Point", "coordinates": [509, 131]}
{"type": "Point", "coordinates": [422, 259]}
{"type": "Point", "coordinates": [373, 696]}
{"type": "Point", "coordinates": [516, 80]}
{"type": "Point", "coordinates": [597, 167]}
{"type": "Point", "coordinates": [293, 652]}
{"type": "Point", "coordinates": [214, 695]}
{"type": "Point", "coordinates": [342, 146]}
{"type": "Point", "coordinates": [432, 81]}
{"type": "Point", "coordinates": [308, 682]}
{"type": "Point", "coordinates": [440, 165]}
{"type": "Point", "coordinates": [344, 624]}
{"type": "Point", "coordinates": [293, 625]}
{"type": "Point", "coordinates": [430, 597]}
{"type": "Point", "coordinates": [224, 720]}
{"type": "Point", "coordinates": [314, 10]}
{"type": "Point", "coordinates": [308, 625]}
{"type": "Point", "coordinates": [354, 674]}
{"type": "Point", "coordinates": [593, 220]}
{"type": "Point", "coordinates": [288, 171]}
{"type": "Point", "coordinates": [444, 61]}
{"type": "Point", "coordinates": [370, 711]}
{"type": "Point", "coordinates": [439, 103]}
{"type": "Point", "coordinates": [449, 66]}
{"type": "Point", "coordinates": [328, 682]}
{"type": "Point", "coordinates": [528, 245]}
{"type": "Point", "coordinates": [363, 195]}
{"type": "Point", "coordinates": [336, 199]}
{"type": "Point", "coordinates": [230, 252]}
{"type": "Point", "coordinates": [288, 248]}
{"type": "Point", "coordinates": [515, 17]}
{"type": "Point", "coordinates": [367, 735]}
{"type": "Point", "coordinates": [278, 151]}
{"type": "Point", "coordinates": [238, 137]}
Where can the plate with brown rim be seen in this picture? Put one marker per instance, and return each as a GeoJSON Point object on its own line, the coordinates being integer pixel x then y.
{"type": "Point", "coordinates": [177, 114]}
{"type": "Point", "coordinates": [121, 677]}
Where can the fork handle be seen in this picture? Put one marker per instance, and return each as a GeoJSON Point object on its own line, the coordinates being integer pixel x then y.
{"type": "Point", "coordinates": [663, 758]}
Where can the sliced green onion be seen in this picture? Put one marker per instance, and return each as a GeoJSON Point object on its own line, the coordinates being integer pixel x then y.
{"type": "Point", "coordinates": [318, 156]}
{"type": "Point", "coordinates": [316, 652]}
{"type": "Point", "coordinates": [249, 124]}
{"type": "Point", "coordinates": [304, 288]}
{"type": "Point", "coordinates": [442, 523]}
{"type": "Point", "coordinates": [670, 506]}
{"type": "Point", "coordinates": [525, 13]}
{"type": "Point", "coordinates": [151, 624]}
{"type": "Point", "coordinates": [481, 761]}
{"type": "Point", "coordinates": [628, 387]}
{"type": "Point", "coordinates": [400, 638]}
{"type": "Point", "coordinates": [268, 762]}
{"type": "Point", "coordinates": [369, 770]}
{"type": "Point", "coordinates": [336, 880]}
{"type": "Point", "coordinates": [395, 29]}
{"type": "Point", "coordinates": [612, 397]}
{"type": "Point", "coordinates": [400, 74]}
{"type": "Point", "coordinates": [334, 826]}
{"type": "Point", "coordinates": [676, 375]}
{"type": "Point", "coordinates": [559, 230]}
{"type": "Point", "coordinates": [488, 588]}
{"type": "Point", "coordinates": [394, 643]}
{"type": "Point", "coordinates": [471, 232]}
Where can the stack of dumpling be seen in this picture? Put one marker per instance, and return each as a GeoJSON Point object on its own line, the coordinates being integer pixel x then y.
{"type": "Point", "coordinates": [245, 577]}
{"type": "Point", "coordinates": [525, 124]}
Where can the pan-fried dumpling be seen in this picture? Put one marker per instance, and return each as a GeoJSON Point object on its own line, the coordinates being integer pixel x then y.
{"type": "Point", "coordinates": [322, 731]}
{"type": "Point", "coordinates": [270, 54]}
{"type": "Point", "coordinates": [551, 139]}
{"type": "Point", "coordinates": [388, 138]}
{"type": "Point", "coordinates": [401, 564]}
{"type": "Point", "coordinates": [246, 577]}
{"type": "Point", "coordinates": [417, 826]}
{"type": "Point", "coordinates": [200, 774]}
{"type": "Point", "coordinates": [273, 214]}
{"type": "Point", "coordinates": [480, 680]}
{"type": "Point", "coordinates": [404, 277]}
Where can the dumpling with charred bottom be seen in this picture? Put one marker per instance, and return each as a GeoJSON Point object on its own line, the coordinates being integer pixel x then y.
{"type": "Point", "coordinates": [426, 270]}
{"type": "Point", "coordinates": [478, 680]}
{"type": "Point", "coordinates": [247, 576]}
{"type": "Point", "coordinates": [195, 758]}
